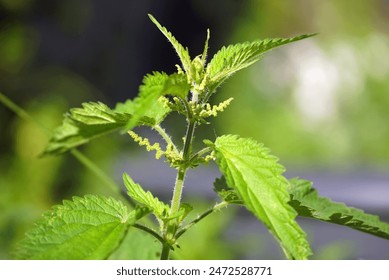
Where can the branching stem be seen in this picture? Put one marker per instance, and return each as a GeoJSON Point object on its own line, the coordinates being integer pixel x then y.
{"type": "Point", "coordinates": [165, 251]}
{"type": "Point", "coordinates": [201, 152]}
{"type": "Point", "coordinates": [179, 184]}
{"type": "Point", "coordinates": [202, 216]}
{"type": "Point", "coordinates": [188, 139]}
{"type": "Point", "coordinates": [175, 205]}
{"type": "Point", "coordinates": [150, 231]}
{"type": "Point", "coordinates": [165, 137]}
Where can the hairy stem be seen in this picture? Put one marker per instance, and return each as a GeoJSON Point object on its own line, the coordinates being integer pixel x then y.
{"type": "Point", "coordinates": [188, 139]}
{"type": "Point", "coordinates": [165, 137]}
{"type": "Point", "coordinates": [150, 231]}
{"type": "Point", "coordinates": [165, 251]}
{"type": "Point", "coordinates": [207, 96]}
{"type": "Point", "coordinates": [187, 107]}
{"type": "Point", "coordinates": [179, 184]}
{"type": "Point", "coordinates": [202, 216]}
{"type": "Point", "coordinates": [201, 153]}
{"type": "Point", "coordinates": [175, 204]}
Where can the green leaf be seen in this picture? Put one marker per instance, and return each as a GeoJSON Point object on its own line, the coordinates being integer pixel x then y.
{"type": "Point", "coordinates": [147, 199]}
{"type": "Point", "coordinates": [154, 86]}
{"type": "Point", "coordinates": [96, 119]}
{"type": "Point", "coordinates": [233, 58]}
{"type": "Point", "coordinates": [84, 124]}
{"type": "Point", "coordinates": [183, 212]}
{"type": "Point", "coordinates": [306, 201]}
{"type": "Point", "coordinates": [205, 51]}
{"type": "Point", "coordinates": [226, 193]}
{"type": "Point", "coordinates": [154, 115]}
{"type": "Point", "coordinates": [85, 228]}
{"type": "Point", "coordinates": [182, 52]}
{"type": "Point", "coordinates": [257, 177]}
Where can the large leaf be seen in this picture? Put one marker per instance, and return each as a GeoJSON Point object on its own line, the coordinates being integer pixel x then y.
{"type": "Point", "coordinates": [85, 228]}
{"type": "Point", "coordinates": [257, 177]}
{"type": "Point", "coordinates": [154, 86]}
{"type": "Point", "coordinates": [306, 201]}
{"type": "Point", "coordinates": [233, 58]}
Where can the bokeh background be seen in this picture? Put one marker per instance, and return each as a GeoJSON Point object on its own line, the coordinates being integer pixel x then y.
{"type": "Point", "coordinates": [321, 105]}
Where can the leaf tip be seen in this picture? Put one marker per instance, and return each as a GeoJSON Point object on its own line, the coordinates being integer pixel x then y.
{"type": "Point", "coordinates": [154, 20]}
{"type": "Point", "coordinates": [209, 143]}
{"type": "Point", "coordinates": [126, 177]}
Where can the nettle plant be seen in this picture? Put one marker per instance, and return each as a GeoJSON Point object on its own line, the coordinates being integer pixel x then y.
{"type": "Point", "coordinates": [94, 227]}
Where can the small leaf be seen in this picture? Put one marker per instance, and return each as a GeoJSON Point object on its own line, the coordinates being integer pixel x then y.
{"type": "Point", "coordinates": [147, 199]}
{"type": "Point", "coordinates": [233, 58]}
{"type": "Point", "coordinates": [205, 51]}
{"type": "Point", "coordinates": [226, 193]}
{"type": "Point", "coordinates": [306, 201]}
{"type": "Point", "coordinates": [184, 210]}
{"type": "Point", "coordinates": [85, 228]}
{"type": "Point", "coordinates": [257, 177]}
{"type": "Point", "coordinates": [84, 124]}
{"type": "Point", "coordinates": [182, 52]}
{"type": "Point", "coordinates": [181, 214]}
{"type": "Point", "coordinates": [154, 86]}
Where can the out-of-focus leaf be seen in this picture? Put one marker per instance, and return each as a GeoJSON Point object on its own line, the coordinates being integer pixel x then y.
{"type": "Point", "coordinates": [84, 124]}
{"type": "Point", "coordinates": [307, 202]}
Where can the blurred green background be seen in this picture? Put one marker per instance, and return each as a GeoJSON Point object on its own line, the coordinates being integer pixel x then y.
{"type": "Point", "coordinates": [322, 103]}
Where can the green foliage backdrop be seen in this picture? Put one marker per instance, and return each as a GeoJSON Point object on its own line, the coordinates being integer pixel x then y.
{"type": "Point", "coordinates": [331, 106]}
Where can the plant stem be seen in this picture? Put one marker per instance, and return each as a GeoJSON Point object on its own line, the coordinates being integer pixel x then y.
{"type": "Point", "coordinates": [175, 204]}
{"type": "Point", "coordinates": [188, 139]}
{"type": "Point", "coordinates": [179, 184]}
{"type": "Point", "coordinates": [201, 152]}
{"type": "Point", "coordinates": [207, 96]}
{"type": "Point", "coordinates": [202, 216]}
{"type": "Point", "coordinates": [165, 251]}
{"type": "Point", "coordinates": [150, 231]}
{"type": "Point", "coordinates": [165, 137]}
{"type": "Point", "coordinates": [20, 112]}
